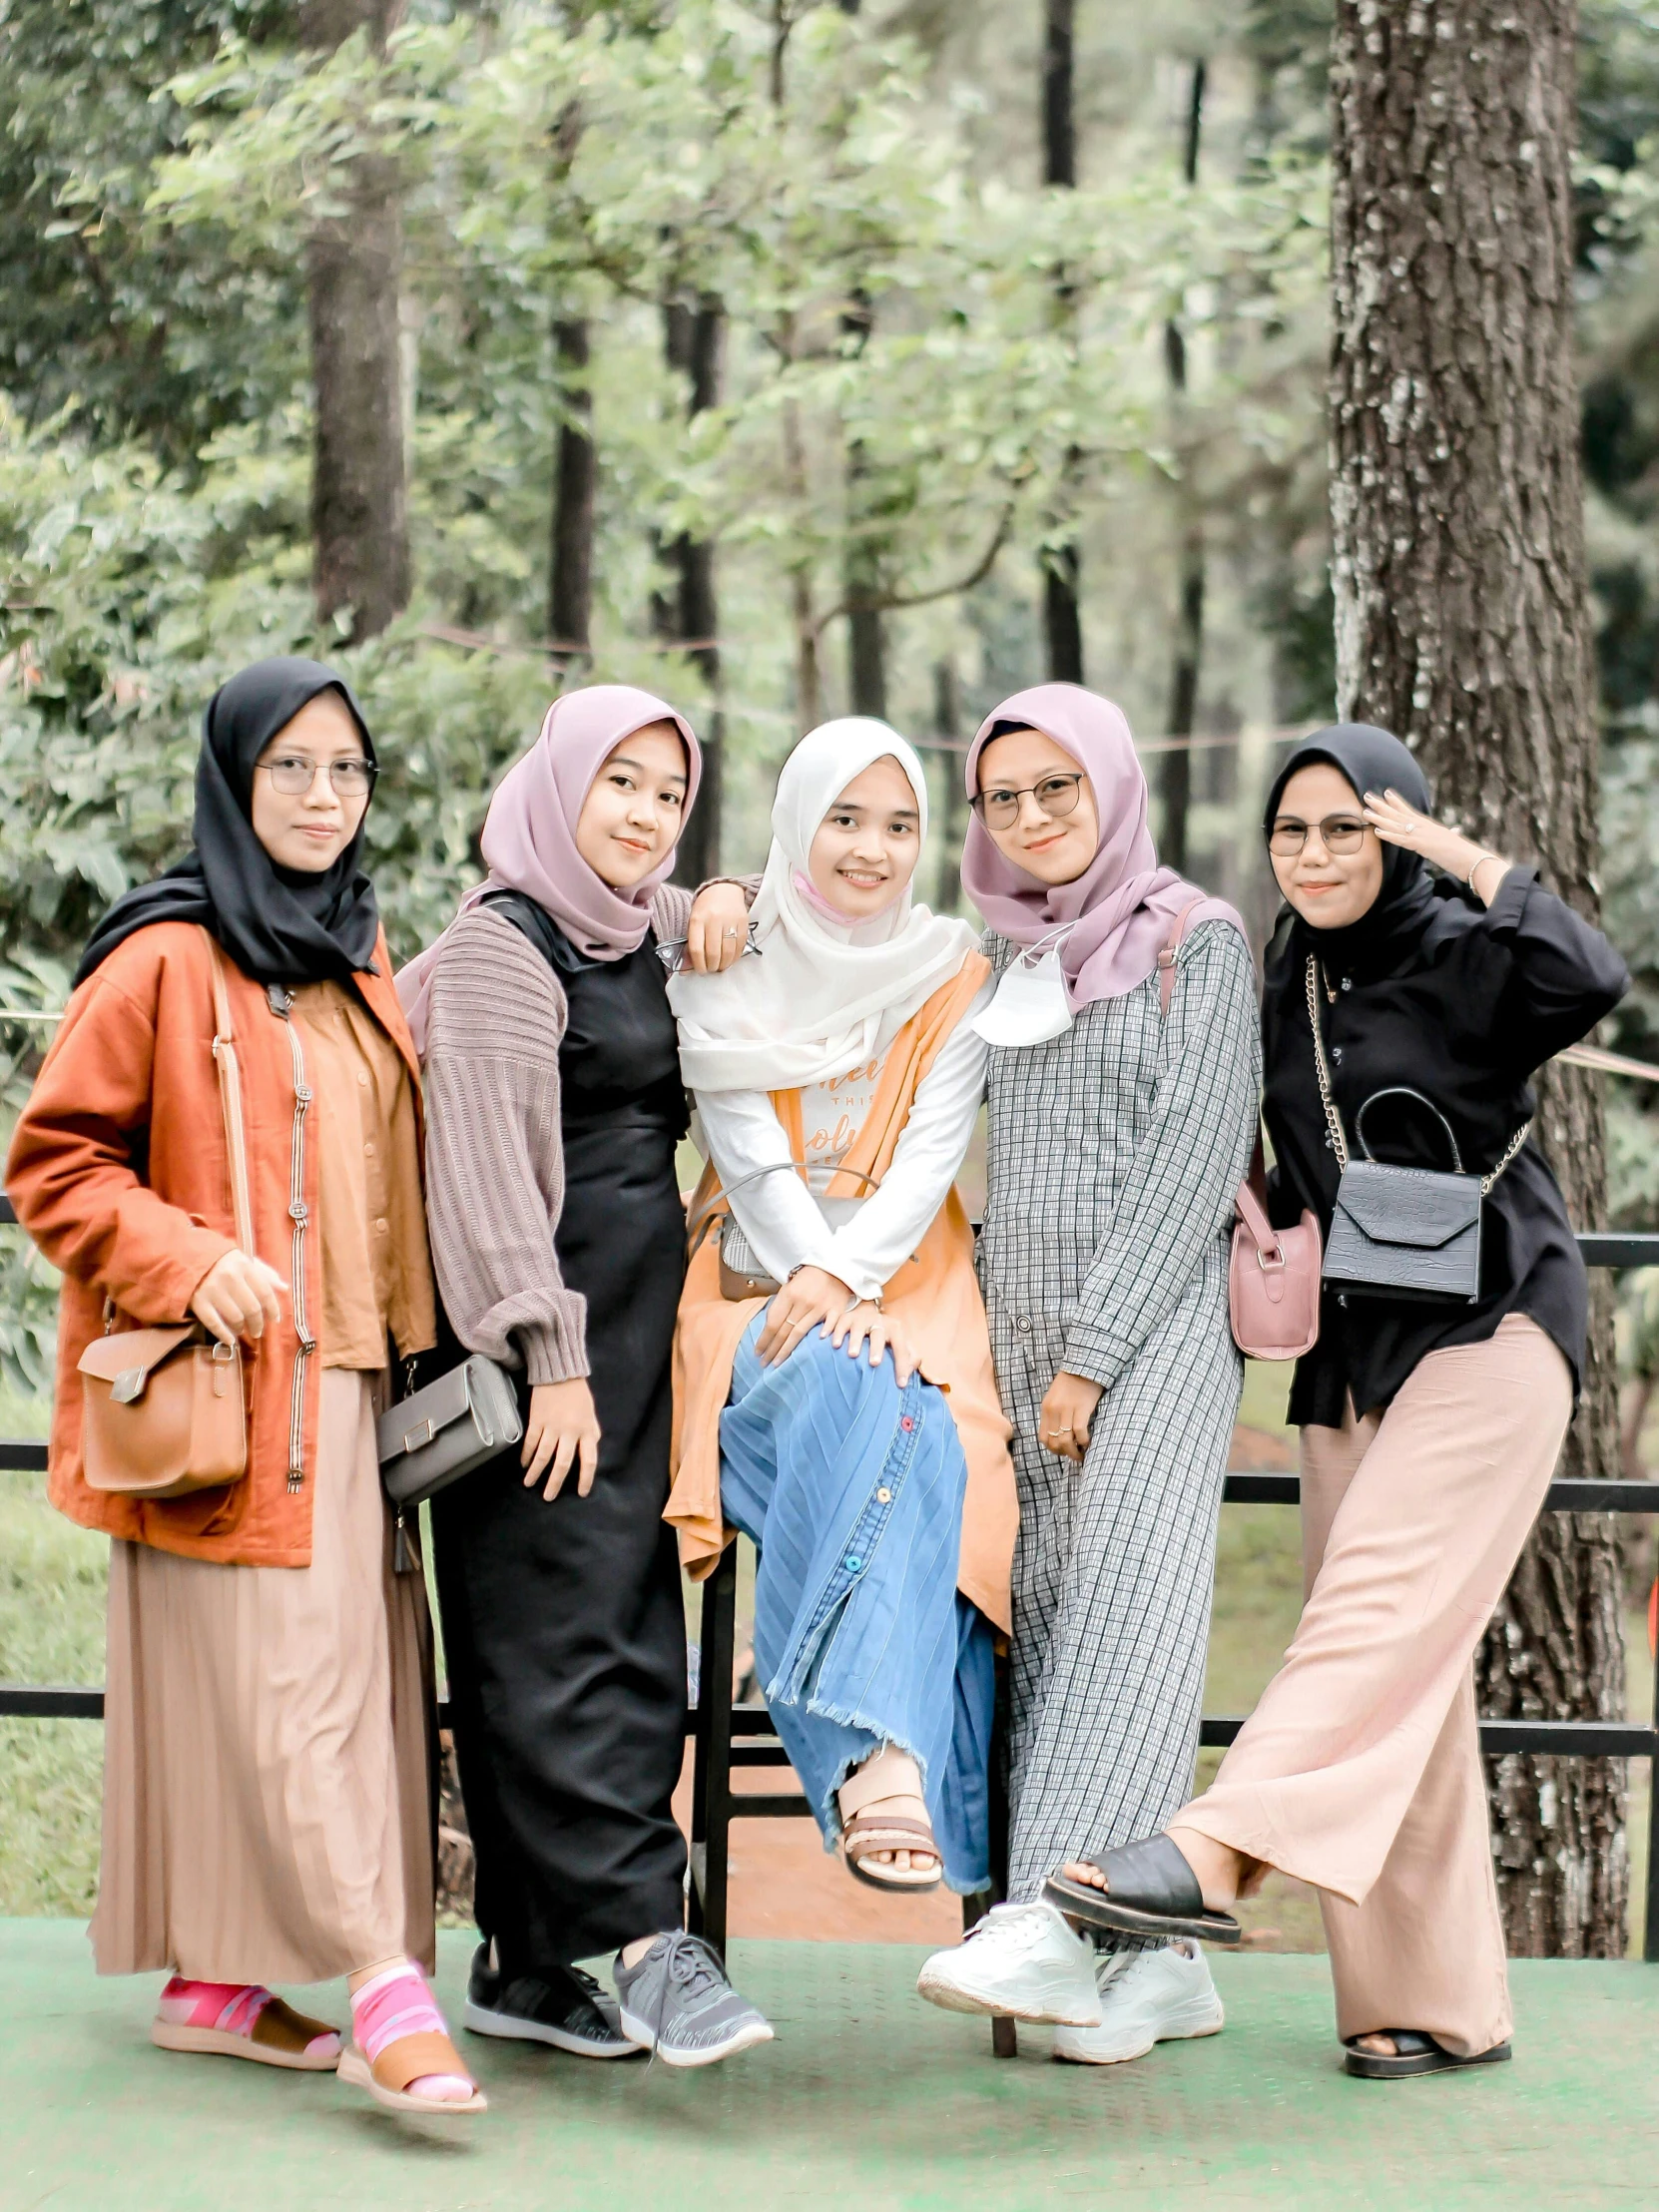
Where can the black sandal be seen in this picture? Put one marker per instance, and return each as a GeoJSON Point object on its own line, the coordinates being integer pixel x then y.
{"type": "Point", "coordinates": [1152, 1892]}
{"type": "Point", "coordinates": [1414, 2053]}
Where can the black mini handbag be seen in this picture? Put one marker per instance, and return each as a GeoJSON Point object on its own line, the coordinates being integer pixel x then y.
{"type": "Point", "coordinates": [1397, 1232]}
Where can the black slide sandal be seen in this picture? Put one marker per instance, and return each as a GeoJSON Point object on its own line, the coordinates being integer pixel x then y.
{"type": "Point", "coordinates": [1153, 1893]}
{"type": "Point", "coordinates": [1414, 2053]}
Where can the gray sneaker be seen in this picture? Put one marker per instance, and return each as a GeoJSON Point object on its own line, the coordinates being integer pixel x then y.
{"type": "Point", "coordinates": [678, 2002]}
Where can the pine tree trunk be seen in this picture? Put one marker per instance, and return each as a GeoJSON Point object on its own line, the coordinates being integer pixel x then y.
{"type": "Point", "coordinates": [1174, 779]}
{"type": "Point", "coordinates": [1463, 622]}
{"type": "Point", "coordinates": [360, 517]}
{"type": "Point", "coordinates": [947, 718]}
{"type": "Point", "coordinates": [575, 469]}
{"type": "Point", "coordinates": [694, 334]}
{"type": "Point", "coordinates": [1062, 570]}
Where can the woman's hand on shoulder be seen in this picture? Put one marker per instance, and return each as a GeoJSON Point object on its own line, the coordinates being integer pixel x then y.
{"type": "Point", "coordinates": [561, 1432]}
{"type": "Point", "coordinates": [237, 1297]}
{"type": "Point", "coordinates": [1067, 1413]}
{"type": "Point", "coordinates": [718, 929]}
{"type": "Point", "coordinates": [864, 1323]}
{"type": "Point", "coordinates": [1397, 823]}
{"type": "Point", "coordinates": [813, 1297]}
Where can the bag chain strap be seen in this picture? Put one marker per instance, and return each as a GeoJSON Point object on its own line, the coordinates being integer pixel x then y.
{"type": "Point", "coordinates": [1334, 1120]}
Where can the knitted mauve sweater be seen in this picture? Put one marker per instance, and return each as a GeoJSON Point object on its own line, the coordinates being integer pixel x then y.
{"type": "Point", "coordinates": [495, 1174]}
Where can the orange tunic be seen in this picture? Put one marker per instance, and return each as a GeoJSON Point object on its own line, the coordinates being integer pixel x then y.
{"type": "Point", "coordinates": [934, 1294]}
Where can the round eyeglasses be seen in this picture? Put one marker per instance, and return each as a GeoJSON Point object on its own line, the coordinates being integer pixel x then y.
{"type": "Point", "coordinates": [1338, 834]}
{"type": "Point", "coordinates": [1056, 796]}
{"type": "Point", "coordinates": [295, 774]}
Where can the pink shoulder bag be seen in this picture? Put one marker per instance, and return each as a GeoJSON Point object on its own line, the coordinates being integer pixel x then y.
{"type": "Point", "coordinates": [1273, 1275]}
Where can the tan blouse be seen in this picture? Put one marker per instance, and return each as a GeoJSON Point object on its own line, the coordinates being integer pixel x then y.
{"type": "Point", "coordinates": [376, 1269]}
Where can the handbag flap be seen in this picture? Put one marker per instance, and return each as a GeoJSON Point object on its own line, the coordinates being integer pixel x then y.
{"type": "Point", "coordinates": [413, 1421]}
{"type": "Point", "coordinates": [132, 1355]}
{"type": "Point", "coordinates": [1418, 1207]}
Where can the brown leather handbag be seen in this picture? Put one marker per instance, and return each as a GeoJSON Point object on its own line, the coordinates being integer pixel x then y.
{"type": "Point", "coordinates": [164, 1411]}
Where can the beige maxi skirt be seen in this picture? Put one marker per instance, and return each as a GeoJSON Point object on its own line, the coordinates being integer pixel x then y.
{"type": "Point", "coordinates": [266, 1778]}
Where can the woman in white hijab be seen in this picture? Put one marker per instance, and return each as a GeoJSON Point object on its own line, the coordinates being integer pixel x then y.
{"type": "Point", "coordinates": [830, 1305]}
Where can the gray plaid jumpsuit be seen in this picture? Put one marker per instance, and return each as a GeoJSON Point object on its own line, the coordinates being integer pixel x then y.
{"type": "Point", "coordinates": [1114, 1153]}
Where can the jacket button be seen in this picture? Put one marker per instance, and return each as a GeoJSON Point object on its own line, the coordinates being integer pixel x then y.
{"type": "Point", "coordinates": [1347, 982]}
{"type": "Point", "coordinates": [1023, 1324]}
{"type": "Point", "coordinates": [1336, 1055]}
{"type": "Point", "coordinates": [884, 1497]}
{"type": "Point", "coordinates": [852, 1563]}
{"type": "Point", "coordinates": [906, 1424]}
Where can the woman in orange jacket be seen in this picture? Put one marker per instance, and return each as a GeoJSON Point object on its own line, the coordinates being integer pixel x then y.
{"type": "Point", "coordinates": [268, 1704]}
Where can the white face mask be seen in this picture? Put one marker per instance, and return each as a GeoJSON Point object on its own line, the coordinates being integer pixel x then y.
{"type": "Point", "coordinates": [1030, 1005]}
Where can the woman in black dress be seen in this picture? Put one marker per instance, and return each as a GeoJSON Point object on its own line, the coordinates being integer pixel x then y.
{"type": "Point", "coordinates": [554, 1107]}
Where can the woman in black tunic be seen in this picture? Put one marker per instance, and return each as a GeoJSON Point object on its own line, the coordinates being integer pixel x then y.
{"type": "Point", "coordinates": [554, 1106]}
{"type": "Point", "coordinates": [1430, 1423]}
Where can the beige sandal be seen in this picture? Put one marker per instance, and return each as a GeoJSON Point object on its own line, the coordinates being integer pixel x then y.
{"type": "Point", "coordinates": [405, 2060]}
{"type": "Point", "coordinates": [889, 1779]}
{"type": "Point", "coordinates": [279, 2037]}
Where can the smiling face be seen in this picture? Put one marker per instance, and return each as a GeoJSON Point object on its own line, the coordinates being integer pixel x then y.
{"type": "Point", "coordinates": [868, 845]}
{"type": "Point", "coordinates": [636, 807]}
{"type": "Point", "coordinates": [1327, 890]}
{"type": "Point", "coordinates": [309, 829]}
{"type": "Point", "coordinates": [1042, 838]}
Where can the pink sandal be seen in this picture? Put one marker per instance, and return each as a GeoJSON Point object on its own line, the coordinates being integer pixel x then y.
{"type": "Point", "coordinates": [400, 2050]}
{"type": "Point", "coordinates": [243, 2020]}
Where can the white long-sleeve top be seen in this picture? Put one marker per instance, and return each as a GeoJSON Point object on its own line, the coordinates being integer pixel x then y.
{"type": "Point", "coordinates": [777, 1213]}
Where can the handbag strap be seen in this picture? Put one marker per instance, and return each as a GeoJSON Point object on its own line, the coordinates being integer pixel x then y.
{"type": "Point", "coordinates": [1334, 1120]}
{"type": "Point", "coordinates": [1166, 956]}
{"type": "Point", "coordinates": [697, 1228]}
{"type": "Point", "coordinates": [230, 1099]}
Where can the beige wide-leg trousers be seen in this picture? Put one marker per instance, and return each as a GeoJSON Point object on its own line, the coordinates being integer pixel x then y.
{"type": "Point", "coordinates": [1359, 1770]}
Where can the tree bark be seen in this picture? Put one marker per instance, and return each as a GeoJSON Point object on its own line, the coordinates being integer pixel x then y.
{"type": "Point", "coordinates": [359, 511]}
{"type": "Point", "coordinates": [947, 718]}
{"type": "Point", "coordinates": [1062, 568]}
{"type": "Point", "coordinates": [866, 668]}
{"type": "Point", "coordinates": [1174, 777]}
{"type": "Point", "coordinates": [694, 336]}
{"type": "Point", "coordinates": [1462, 623]}
{"type": "Point", "coordinates": [575, 471]}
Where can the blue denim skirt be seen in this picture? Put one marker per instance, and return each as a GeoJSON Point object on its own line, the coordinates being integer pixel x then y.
{"type": "Point", "coordinates": [852, 1490]}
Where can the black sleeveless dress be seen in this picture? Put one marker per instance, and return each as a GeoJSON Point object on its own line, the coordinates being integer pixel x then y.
{"type": "Point", "coordinates": [563, 1623]}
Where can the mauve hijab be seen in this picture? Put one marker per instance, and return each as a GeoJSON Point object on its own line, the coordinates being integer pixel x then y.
{"type": "Point", "coordinates": [1122, 907]}
{"type": "Point", "coordinates": [529, 840]}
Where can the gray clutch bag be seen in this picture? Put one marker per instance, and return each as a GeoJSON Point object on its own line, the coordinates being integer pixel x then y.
{"type": "Point", "coordinates": [446, 1429]}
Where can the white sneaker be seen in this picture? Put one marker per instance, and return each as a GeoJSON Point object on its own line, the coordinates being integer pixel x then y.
{"type": "Point", "coordinates": [1020, 1960]}
{"type": "Point", "coordinates": [1146, 1998]}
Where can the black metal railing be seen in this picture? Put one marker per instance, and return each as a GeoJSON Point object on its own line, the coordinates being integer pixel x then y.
{"type": "Point", "coordinates": [728, 1735]}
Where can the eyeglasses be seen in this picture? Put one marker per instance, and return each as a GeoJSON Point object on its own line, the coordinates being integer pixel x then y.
{"type": "Point", "coordinates": [672, 952]}
{"type": "Point", "coordinates": [1056, 796]}
{"type": "Point", "coordinates": [295, 774]}
{"type": "Point", "coordinates": [1340, 833]}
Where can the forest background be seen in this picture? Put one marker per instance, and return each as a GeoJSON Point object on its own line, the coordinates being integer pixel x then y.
{"type": "Point", "coordinates": [788, 359]}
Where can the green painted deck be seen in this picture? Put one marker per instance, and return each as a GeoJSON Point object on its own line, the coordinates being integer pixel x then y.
{"type": "Point", "coordinates": [868, 2097]}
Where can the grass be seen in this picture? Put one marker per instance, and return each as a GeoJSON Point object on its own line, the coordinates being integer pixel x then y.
{"type": "Point", "coordinates": [52, 1579]}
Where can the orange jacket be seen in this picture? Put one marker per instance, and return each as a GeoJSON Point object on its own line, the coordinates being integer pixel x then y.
{"type": "Point", "coordinates": [119, 1172]}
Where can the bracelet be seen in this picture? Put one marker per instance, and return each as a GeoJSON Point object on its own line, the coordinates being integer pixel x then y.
{"type": "Point", "coordinates": [1480, 861]}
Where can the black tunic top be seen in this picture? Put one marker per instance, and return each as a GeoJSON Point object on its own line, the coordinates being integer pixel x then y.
{"type": "Point", "coordinates": [1464, 1010]}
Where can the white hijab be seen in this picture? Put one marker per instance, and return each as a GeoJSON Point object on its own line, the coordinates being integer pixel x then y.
{"type": "Point", "coordinates": [822, 997]}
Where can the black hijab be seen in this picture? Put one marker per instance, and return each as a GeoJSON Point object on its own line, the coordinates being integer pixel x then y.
{"type": "Point", "coordinates": [279, 925]}
{"type": "Point", "coordinates": [1372, 760]}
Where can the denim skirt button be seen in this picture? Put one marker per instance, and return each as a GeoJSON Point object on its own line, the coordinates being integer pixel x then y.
{"type": "Point", "coordinates": [884, 1497]}
{"type": "Point", "coordinates": [852, 1563]}
{"type": "Point", "coordinates": [905, 1421]}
